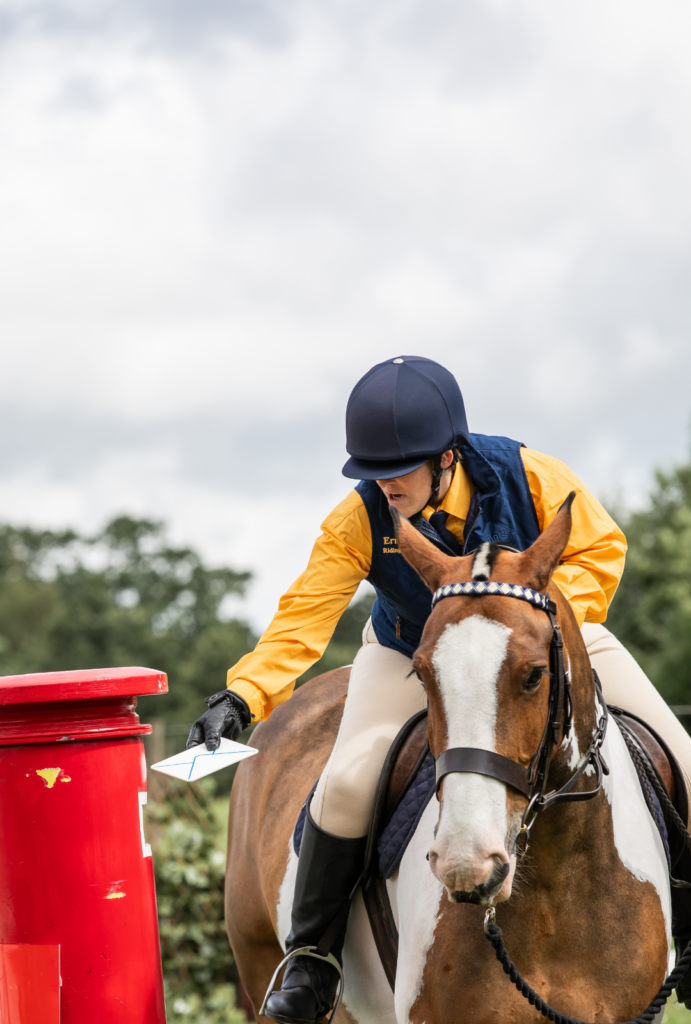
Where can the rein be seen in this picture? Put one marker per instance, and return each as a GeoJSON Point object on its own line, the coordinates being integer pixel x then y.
{"type": "Point", "coordinates": [531, 781]}
{"type": "Point", "coordinates": [495, 936]}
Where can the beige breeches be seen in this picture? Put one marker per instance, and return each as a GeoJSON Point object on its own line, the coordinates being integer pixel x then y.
{"type": "Point", "coordinates": [382, 696]}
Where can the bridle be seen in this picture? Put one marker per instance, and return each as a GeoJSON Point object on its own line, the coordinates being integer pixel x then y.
{"type": "Point", "coordinates": [531, 781]}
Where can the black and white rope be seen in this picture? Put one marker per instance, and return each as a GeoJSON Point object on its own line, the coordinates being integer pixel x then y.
{"type": "Point", "coordinates": [495, 936]}
{"type": "Point", "coordinates": [477, 588]}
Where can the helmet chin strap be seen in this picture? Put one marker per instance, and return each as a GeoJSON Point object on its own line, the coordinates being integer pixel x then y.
{"type": "Point", "coordinates": [438, 473]}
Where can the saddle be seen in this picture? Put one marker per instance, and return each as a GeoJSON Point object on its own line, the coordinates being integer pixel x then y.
{"type": "Point", "coordinates": [406, 786]}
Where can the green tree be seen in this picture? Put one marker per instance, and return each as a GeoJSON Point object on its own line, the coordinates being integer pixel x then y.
{"type": "Point", "coordinates": [124, 596]}
{"type": "Point", "coordinates": [187, 827]}
{"type": "Point", "coordinates": [651, 612]}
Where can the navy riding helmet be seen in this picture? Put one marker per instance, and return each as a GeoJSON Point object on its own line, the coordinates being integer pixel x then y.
{"type": "Point", "coordinates": [401, 414]}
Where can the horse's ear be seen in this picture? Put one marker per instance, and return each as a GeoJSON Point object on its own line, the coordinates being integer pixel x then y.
{"type": "Point", "coordinates": [542, 557]}
{"type": "Point", "coordinates": [427, 560]}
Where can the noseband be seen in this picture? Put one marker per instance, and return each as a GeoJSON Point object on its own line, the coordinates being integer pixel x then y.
{"type": "Point", "coordinates": [531, 781]}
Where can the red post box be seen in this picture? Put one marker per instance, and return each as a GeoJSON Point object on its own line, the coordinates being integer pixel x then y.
{"type": "Point", "coordinates": [78, 926]}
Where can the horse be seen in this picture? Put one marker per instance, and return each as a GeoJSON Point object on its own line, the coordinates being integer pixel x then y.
{"type": "Point", "coordinates": [585, 912]}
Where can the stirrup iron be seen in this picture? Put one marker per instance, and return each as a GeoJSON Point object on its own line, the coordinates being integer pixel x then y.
{"type": "Point", "coordinates": [307, 951]}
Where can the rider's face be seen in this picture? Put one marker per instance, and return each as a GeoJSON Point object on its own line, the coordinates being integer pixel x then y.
{"type": "Point", "coordinates": [411, 493]}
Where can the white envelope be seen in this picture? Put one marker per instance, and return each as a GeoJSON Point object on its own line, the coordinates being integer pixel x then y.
{"type": "Point", "coordinates": [197, 762]}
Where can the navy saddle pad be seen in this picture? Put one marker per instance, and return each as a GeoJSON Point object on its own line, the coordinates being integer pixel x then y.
{"type": "Point", "coordinates": [399, 830]}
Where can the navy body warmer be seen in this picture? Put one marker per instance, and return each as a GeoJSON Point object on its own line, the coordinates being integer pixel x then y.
{"type": "Point", "coordinates": [501, 510]}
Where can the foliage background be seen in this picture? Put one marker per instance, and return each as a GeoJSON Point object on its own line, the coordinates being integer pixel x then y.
{"type": "Point", "coordinates": [651, 612]}
{"type": "Point", "coordinates": [187, 826]}
{"type": "Point", "coordinates": [127, 596]}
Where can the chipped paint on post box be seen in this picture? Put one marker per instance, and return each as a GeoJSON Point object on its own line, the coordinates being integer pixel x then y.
{"type": "Point", "coordinates": [51, 775]}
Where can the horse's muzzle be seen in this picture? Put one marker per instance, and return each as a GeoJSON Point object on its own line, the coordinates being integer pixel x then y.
{"type": "Point", "coordinates": [484, 894]}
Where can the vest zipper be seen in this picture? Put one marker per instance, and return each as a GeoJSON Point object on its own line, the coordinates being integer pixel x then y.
{"type": "Point", "coordinates": [398, 627]}
{"type": "Point", "coordinates": [473, 516]}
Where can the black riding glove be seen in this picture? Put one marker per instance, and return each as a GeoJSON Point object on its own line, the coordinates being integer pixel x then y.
{"type": "Point", "coordinates": [227, 716]}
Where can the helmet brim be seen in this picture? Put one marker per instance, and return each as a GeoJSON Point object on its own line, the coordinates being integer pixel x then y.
{"type": "Point", "coordinates": [367, 469]}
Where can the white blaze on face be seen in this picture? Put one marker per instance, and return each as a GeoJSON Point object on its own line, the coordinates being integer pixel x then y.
{"type": "Point", "coordinates": [471, 838]}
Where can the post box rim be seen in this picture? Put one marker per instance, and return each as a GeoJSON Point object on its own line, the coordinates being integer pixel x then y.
{"type": "Point", "coordinates": [82, 684]}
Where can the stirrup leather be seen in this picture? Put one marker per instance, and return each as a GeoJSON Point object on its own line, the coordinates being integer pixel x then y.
{"type": "Point", "coordinates": [307, 951]}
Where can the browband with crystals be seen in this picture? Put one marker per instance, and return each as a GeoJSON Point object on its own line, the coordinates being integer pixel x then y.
{"type": "Point", "coordinates": [477, 588]}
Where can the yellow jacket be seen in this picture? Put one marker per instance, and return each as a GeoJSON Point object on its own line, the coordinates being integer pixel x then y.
{"type": "Point", "coordinates": [308, 612]}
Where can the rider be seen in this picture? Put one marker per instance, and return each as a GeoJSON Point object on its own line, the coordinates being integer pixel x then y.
{"type": "Point", "coordinates": [410, 447]}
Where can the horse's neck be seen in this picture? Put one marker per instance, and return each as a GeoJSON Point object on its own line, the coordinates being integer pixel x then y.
{"type": "Point", "coordinates": [610, 841]}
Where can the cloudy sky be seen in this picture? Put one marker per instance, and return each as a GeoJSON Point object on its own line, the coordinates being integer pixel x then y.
{"type": "Point", "coordinates": [215, 216]}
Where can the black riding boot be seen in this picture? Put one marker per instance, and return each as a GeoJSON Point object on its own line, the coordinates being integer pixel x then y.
{"type": "Point", "coordinates": [328, 869]}
{"type": "Point", "coordinates": [681, 922]}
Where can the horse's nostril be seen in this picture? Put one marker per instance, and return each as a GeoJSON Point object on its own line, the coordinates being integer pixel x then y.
{"type": "Point", "coordinates": [427, 856]}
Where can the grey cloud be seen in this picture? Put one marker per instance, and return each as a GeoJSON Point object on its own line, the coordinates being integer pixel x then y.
{"type": "Point", "coordinates": [81, 93]}
{"type": "Point", "coordinates": [211, 451]}
{"type": "Point", "coordinates": [167, 24]}
{"type": "Point", "coordinates": [592, 367]}
{"type": "Point", "coordinates": [611, 409]}
{"type": "Point", "coordinates": [623, 280]}
{"type": "Point", "coordinates": [477, 49]}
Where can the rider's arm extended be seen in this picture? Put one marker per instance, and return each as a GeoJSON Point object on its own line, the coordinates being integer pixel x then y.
{"type": "Point", "coordinates": [308, 612]}
{"type": "Point", "coordinates": [593, 561]}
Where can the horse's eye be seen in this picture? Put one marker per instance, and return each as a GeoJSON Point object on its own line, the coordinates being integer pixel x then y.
{"type": "Point", "coordinates": [414, 672]}
{"type": "Point", "coordinates": [534, 679]}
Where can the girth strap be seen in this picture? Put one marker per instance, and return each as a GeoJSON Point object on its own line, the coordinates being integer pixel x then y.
{"type": "Point", "coordinates": [483, 762]}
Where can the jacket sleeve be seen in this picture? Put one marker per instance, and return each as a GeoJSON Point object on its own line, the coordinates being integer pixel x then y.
{"type": "Point", "coordinates": [308, 612]}
{"type": "Point", "coordinates": [593, 561]}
